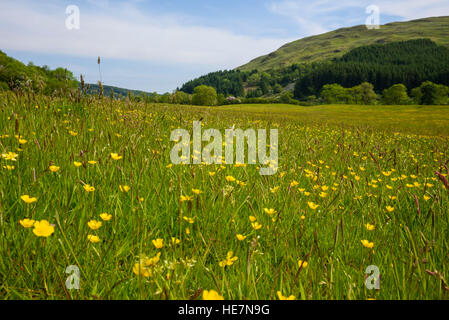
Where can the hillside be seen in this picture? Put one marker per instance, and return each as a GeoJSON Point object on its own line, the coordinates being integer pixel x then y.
{"type": "Point", "coordinates": [15, 74]}
{"type": "Point", "coordinates": [336, 43]}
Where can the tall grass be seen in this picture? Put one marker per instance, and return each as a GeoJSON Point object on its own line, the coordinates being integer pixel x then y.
{"type": "Point", "coordinates": [352, 172]}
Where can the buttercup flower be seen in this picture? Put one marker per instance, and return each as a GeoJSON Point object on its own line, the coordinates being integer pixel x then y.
{"type": "Point", "coordinates": [367, 244]}
{"type": "Point", "coordinates": [241, 237]}
{"type": "Point", "coordinates": [54, 168]}
{"type": "Point", "coordinates": [93, 239]}
{"type": "Point", "coordinates": [158, 243]}
{"type": "Point", "coordinates": [27, 223]}
{"type": "Point", "coordinates": [211, 295]}
{"type": "Point", "coordinates": [105, 216]}
{"type": "Point", "coordinates": [43, 228]}
{"type": "Point", "coordinates": [312, 205]}
{"type": "Point", "coordinates": [94, 224]}
{"type": "Point", "coordinates": [229, 261]}
{"type": "Point", "coordinates": [124, 188]}
{"type": "Point", "coordinates": [115, 156]}
{"type": "Point", "coordinates": [281, 297]}
{"type": "Point", "coordinates": [88, 188]}
{"type": "Point", "coordinates": [27, 199]}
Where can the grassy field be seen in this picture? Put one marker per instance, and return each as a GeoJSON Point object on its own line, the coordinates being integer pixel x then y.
{"type": "Point", "coordinates": [356, 187]}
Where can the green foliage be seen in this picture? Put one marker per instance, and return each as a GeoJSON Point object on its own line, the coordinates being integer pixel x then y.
{"type": "Point", "coordinates": [180, 97]}
{"type": "Point", "coordinates": [431, 94]}
{"type": "Point", "coordinates": [204, 96]}
{"type": "Point", "coordinates": [16, 75]}
{"type": "Point", "coordinates": [225, 82]}
{"type": "Point", "coordinates": [364, 94]}
{"type": "Point", "coordinates": [286, 96]}
{"type": "Point", "coordinates": [395, 95]}
{"type": "Point", "coordinates": [408, 62]}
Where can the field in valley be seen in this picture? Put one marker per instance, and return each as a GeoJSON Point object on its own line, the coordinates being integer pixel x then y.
{"type": "Point", "coordinates": [356, 187]}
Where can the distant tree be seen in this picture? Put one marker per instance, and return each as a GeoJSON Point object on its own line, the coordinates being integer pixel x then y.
{"type": "Point", "coordinates": [221, 100]}
{"type": "Point", "coordinates": [336, 94]}
{"type": "Point", "coordinates": [395, 95]}
{"type": "Point", "coordinates": [286, 96]}
{"type": "Point", "coordinates": [204, 96]}
{"type": "Point", "coordinates": [179, 97]}
{"type": "Point", "coordinates": [364, 94]}
{"type": "Point", "coordinates": [165, 98]}
{"type": "Point", "coordinates": [430, 93]}
{"type": "Point", "coordinates": [277, 88]}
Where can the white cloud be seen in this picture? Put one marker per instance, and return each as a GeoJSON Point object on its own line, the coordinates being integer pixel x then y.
{"type": "Point", "coordinates": [123, 32]}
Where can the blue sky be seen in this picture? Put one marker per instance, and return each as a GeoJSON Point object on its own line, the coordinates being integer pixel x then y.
{"type": "Point", "coordinates": [158, 45]}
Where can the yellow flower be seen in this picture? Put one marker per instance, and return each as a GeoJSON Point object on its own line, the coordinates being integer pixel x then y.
{"type": "Point", "coordinates": [252, 218]}
{"type": "Point", "coordinates": [189, 220]}
{"type": "Point", "coordinates": [274, 190]}
{"type": "Point", "coordinates": [115, 156]}
{"type": "Point", "coordinates": [94, 224]}
{"type": "Point", "coordinates": [229, 261]}
{"type": "Point", "coordinates": [105, 216]}
{"type": "Point", "coordinates": [302, 264]}
{"type": "Point", "coordinates": [174, 240]}
{"type": "Point", "coordinates": [54, 168]}
{"type": "Point", "coordinates": [28, 199]}
{"type": "Point", "coordinates": [256, 225]}
{"type": "Point", "coordinates": [197, 191]}
{"type": "Point", "coordinates": [230, 179]}
{"type": "Point", "coordinates": [124, 188]}
{"type": "Point", "coordinates": [312, 205]}
{"type": "Point", "coordinates": [294, 183]}
{"type": "Point", "coordinates": [212, 173]}
{"type": "Point", "coordinates": [390, 209]}
{"type": "Point", "coordinates": [77, 164]}
{"type": "Point", "coordinates": [369, 227]}
{"type": "Point", "coordinates": [22, 141]}
{"type": "Point", "coordinates": [323, 194]}
{"type": "Point", "coordinates": [270, 212]}
{"type": "Point", "coordinates": [73, 133]}
{"type": "Point", "coordinates": [281, 297]}
{"type": "Point", "coordinates": [158, 243]}
{"type": "Point", "coordinates": [367, 244]}
{"type": "Point", "coordinates": [144, 266]}
{"type": "Point", "coordinates": [186, 198]}
{"type": "Point", "coordinates": [241, 237]}
{"type": "Point", "coordinates": [427, 198]}
{"type": "Point", "coordinates": [211, 295]}
{"type": "Point", "coordinates": [93, 239]}
{"type": "Point", "coordinates": [88, 188]}
{"type": "Point", "coordinates": [169, 166]}
{"type": "Point", "coordinates": [43, 228]}
{"type": "Point", "coordinates": [27, 223]}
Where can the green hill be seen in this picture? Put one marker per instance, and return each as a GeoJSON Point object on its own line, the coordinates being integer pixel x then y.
{"type": "Point", "coordinates": [336, 43]}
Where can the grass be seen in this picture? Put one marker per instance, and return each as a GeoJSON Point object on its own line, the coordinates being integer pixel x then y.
{"type": "Point", "coordinates": [336, 43]}
{"type": "Point", "coordinates": [353, 165]}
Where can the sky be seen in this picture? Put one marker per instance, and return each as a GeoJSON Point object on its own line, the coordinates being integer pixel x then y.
{"type": "Point", "coordinates": [157, 46]}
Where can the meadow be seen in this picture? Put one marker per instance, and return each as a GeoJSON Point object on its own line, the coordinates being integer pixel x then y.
{"type": "Point", "coordinates": [89, 183]}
